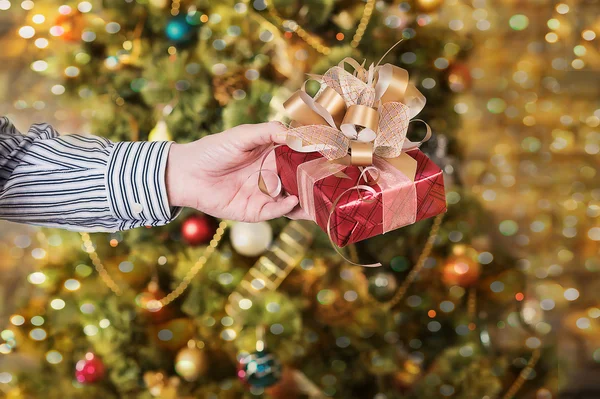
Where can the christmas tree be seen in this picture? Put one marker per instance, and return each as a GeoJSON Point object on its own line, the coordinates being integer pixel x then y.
{"type": "Point", "coordinates": [206, 308]}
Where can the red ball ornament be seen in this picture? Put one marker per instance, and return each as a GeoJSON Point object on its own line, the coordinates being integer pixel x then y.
{"type": "Point", "coordinates": [149, 300]}
{"type": "Point", "coordinates": [461, 270]}
{"type": "Point", "coordinates": [197, 230]}
{"type": "Point", "coordinates": [90, 369]}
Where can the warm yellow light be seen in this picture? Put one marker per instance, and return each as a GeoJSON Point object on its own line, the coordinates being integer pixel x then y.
{"type": "Point", "coordinates": [26, 32]}
{"type": "Point", "coordinates": [551, 37]}
{"type": "Point", "coordinates": [562, 8]}
{"type": "Point", "coordinates": [577, 63]}
{"type": "Point", "coordinates": [588, 35]}
{"type": "Point", "coordinates": [41, 43]}
{"type": "Point", "coordinates": [553, 23]}
{"type": "Point", "coordinates": [39, 66]}
{"type": "Point", "coordinates": [38, 19]}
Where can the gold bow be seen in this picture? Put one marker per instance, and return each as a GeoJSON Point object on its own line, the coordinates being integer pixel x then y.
{"type": "Point", "coordinates": [365, 113]}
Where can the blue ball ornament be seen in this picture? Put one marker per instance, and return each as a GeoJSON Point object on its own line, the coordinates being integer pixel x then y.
{"type": "Point", "coordinates": [178, 29]}
{"type": "Point", "coordinates": [260, 369]}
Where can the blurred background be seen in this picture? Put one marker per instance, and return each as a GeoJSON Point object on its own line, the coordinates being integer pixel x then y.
{"type": "Point", "coordinates": [502, 303]}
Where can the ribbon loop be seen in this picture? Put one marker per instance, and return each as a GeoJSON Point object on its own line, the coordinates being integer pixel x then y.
{"type": "Point", "coordinates": [367, 120]}
{"type": "Point", "coordinates": [373, 104]}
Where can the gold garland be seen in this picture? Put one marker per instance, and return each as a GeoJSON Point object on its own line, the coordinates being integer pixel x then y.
{"type": "Point", "coordinates": [401, 292]}
{"type": "Point", "coordinates": [155, 304]}
{"type": "Point", "coordinates": [313, 40]}
{"type": "Point", "coordinates": [272, 267]}
{"type": "Point", "coordinates": [523, 375]}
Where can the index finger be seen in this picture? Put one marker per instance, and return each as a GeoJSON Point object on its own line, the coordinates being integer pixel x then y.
{"type": "Point", "coordinates": [263, 133]}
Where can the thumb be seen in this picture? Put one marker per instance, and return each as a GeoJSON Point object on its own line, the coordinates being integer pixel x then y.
{"type": "Point", "coordinates": [276, 209]}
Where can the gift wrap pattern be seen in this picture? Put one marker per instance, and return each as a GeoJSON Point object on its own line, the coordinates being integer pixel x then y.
{"type": "Point", "coordinates": [355, 218]}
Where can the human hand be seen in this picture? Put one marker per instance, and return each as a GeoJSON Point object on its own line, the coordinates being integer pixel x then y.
{"type": "Point", "coordinates": [218, 174]}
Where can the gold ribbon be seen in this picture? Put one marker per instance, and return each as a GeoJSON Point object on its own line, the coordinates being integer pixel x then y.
{"type": "Point", "coordinates": [361, 154]}
{"type": "Point", "coordinates": [371, 105]}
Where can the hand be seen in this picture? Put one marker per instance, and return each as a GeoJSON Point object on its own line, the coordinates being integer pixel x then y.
{"type": "Point", "coordinates": [218, 174]}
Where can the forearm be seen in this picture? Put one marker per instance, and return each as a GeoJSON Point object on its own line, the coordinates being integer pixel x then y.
{"type": "Point", "coordinates": [82, 183]}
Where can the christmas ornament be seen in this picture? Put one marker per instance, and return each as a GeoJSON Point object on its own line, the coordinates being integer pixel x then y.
{"type": "Point", "coordinates": [174, 334]}
{"type": "Point", "coordinates": [382, 285]}
{"type": "Point", "coordinates": [149, 301]}
{"type": "Point", "coordinates": [69, 27]}
{"type": "Point", "coordinates": [135, 269]}
{"type": "Point", "coordinates": [260, 369]}
{"type": "Point", "coordinates": [197, 229]}
{"type": "Point", "coordinates": [461, 269]}
{"type": "Point", "coordinates": [251, 239]}
{"type": "Point", "coordinates": [178, 30]}
{"type": "Point", "coordinates": [459, 77]}
{"type": "Point", "coordinates": [89, 370]}
{"type": "Point", "coordinates": [191, 362]}
{"type": "Point", "coordinates": [160, 132]}
{"type": "Point", "coordinates": [194, 17]}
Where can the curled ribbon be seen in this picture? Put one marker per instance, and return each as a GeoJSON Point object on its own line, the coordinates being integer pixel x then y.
{"type": "Point", "coordinates": [355, 119]}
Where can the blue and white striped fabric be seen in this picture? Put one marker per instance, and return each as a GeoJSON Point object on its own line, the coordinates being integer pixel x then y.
{"type": "Point", "coordinates": [81, 183]}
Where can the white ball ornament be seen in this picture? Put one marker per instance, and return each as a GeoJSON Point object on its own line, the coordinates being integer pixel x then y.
{"type": "Point", "coordinates": [251, 239]}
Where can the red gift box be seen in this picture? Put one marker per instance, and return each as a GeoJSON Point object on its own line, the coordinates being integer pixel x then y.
{"type": "Point", "coordinates": [360, 215]}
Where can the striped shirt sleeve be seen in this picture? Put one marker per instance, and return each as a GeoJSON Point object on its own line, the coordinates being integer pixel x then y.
{"type": "Point", "coordinates": [81, 183]}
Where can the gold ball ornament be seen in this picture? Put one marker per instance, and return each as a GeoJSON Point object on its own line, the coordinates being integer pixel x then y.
{"type": "Point", "coordinates": [461, 270]}
{"type": "Point", "coordinates": [251, 239]}
{"type": "Point", "coordinates": [133, 270]}
{"type": "Point", "coordinates": [160, 132]}
{"type": "Point", "coordinates": [174, 334]}
{"type": "Point", "coordinates": [191, 362]}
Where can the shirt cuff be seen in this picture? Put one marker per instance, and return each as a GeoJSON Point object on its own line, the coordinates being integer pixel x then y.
{"type": "Point", "coordinates": [135, 181]}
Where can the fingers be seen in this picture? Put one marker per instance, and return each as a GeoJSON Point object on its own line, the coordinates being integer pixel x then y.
{"type": "Point", "coordinates": [275, 209]}
{"type": "Point", "coordinates": [252, 136]}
